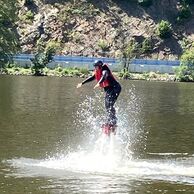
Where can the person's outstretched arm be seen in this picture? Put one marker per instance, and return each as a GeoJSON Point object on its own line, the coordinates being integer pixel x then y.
{"type": "Point", "coordinates": [89, 79]}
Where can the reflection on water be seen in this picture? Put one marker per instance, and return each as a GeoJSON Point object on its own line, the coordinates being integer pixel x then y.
{"type": "Point", "coordinates": [51, 139]}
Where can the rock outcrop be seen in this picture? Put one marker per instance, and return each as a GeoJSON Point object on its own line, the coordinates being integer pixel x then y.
{"type": "Point", "coordinates": [101, 28]}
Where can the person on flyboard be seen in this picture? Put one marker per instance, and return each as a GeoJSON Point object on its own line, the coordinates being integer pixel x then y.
{"type": "Point", "coordinates": [112, 88]}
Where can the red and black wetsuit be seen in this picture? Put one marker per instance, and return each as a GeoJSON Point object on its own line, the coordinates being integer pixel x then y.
{"type": "Point", "coordinates": [112, 90]}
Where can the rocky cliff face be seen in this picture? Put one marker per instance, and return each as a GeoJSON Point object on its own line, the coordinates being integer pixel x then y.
{"type": "Point", "coordinates": [100, 28]}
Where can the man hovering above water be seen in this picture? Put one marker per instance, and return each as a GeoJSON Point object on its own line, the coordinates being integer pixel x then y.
{"type": "Point", "coordinates": [112, 88]}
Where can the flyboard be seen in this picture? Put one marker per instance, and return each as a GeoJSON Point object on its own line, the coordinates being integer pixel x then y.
{"type": "Point", "coordinates": [109, 129]}
{"type": "Point", "coordinates": [107, 139]}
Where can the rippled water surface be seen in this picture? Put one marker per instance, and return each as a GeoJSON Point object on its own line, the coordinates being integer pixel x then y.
{"type": "Point", "coordinates": [51, 141]}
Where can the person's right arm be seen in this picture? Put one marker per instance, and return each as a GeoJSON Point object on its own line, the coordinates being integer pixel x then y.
{"type": "Point", "coordinates": [89, 79]}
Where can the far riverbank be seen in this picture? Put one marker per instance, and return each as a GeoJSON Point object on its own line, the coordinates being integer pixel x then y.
{"type": "Point", "coordinates": [83, 73]}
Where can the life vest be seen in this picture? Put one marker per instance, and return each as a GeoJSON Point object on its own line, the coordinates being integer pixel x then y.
{"type": "Point", "coordinates": [98, 75]}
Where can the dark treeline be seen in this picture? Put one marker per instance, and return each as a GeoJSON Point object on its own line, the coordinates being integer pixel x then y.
{"type": "Point", "coordinates": [9, 43]}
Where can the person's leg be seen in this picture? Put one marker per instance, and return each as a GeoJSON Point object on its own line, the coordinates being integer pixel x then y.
{"type": "Point", "coordinates": [110, 99]}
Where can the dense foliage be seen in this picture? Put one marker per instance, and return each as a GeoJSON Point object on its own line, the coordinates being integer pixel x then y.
{"type": "Point", "coordinates": [184, 12]}
{"type": "Point", "coordinates": [164, 29]}
{"type": "Point", "coordinates": [187, 1]}
{"type": "Point", "coordinates": [130, 51]}
{"type": "Point", "coordinates": [43, 57]}
{"type": "Point", "coordinates": [8, 38]}
{"type": "Point", "coordinates": [185, 72]}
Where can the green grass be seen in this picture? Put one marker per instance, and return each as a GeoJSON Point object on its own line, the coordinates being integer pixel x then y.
{"type": "Point", "coordinates": [13, 69]}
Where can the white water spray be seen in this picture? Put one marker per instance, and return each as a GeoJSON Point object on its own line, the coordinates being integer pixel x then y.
{"type": "Point", "coordinates": [99, 152]}
{"type": "Point", "coordinates": [108, 155]}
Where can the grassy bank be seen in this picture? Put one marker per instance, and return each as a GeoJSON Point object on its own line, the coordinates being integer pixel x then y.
{"type": "Point", "coordinates": [83, 73]}
{"type": "Point", "coordinates": [58, 71]}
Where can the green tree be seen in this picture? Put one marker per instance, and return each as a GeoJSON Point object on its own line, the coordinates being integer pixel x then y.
{"type": "Point", "coordinates": [146, 45]}
{"type": "Point", "coordinates": [164, 29]}
{"type": "Point", "coordinates": [184, 12]}
{"type": "Point", "coordinates": [43, 57]}
{"type": "Point", "coordinates": [8, 38]}
{"type": "Point", "coordinates": [129, 52]}
{"type": "Point", "coordinates": [185, 72]}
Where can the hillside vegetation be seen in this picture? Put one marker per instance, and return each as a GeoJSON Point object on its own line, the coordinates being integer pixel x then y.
{"type": "Point", "coordinates": [127, 29]}
{"type": "Point", "coordinates": [9, 42]}
{"type": "Point", "coordinates": [105, 28]}
{"type": "Point", "coordinates": [159, 29]}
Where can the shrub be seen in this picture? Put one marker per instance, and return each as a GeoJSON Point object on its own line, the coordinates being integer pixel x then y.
{"type": "Point", "coordinates": [24, 71]}
{"type": "Point", "coordinates": [145, 75]}
{"type": "Point", "coordinates": [11, 65]}
{"type": "Point", "coordinates": [84, 71]}
{"type": "Point", "coordinates": [103, 45]}
{"type": "Point", "coordinates": [52, 47]}
{"type": "Point", "coordinates": [185, 44]}
{"type": "Point", "coordinates": [164, 29]}
{"type": "Point", "coordinates": [187, 1]}
{"type": "Point", "coordinates": [38, 63]}
{"type": "Point", "coordinates": [184, 12]}
{"type": "Point", "coordinates": [45, 70]}
{"type": "Point", "coordinates": [124, 74]}
{"type": "Point", "coordinates": [59, 69]}
{"type": "Point", "coordinates": [42, 58]}
{"type": "Point", "coordinates": [130, 51]}
{"type": "Point", "coordinates": [185, 72]}
{"type": "Point", "coordinates": [29, 15]}
{"type": "Point", "coordinates": [152, 75]}
{"type": "Point", "coordinates": [146, 45]}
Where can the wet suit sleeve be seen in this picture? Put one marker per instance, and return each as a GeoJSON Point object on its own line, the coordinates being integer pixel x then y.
{"type": "Point", "coordinates": [104, 76]}
{"type": "Point", "coordinates": [89, 79]}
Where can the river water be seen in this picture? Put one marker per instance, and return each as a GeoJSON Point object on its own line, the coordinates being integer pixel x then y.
{"type": "Point", "coordinates": [51, 141]}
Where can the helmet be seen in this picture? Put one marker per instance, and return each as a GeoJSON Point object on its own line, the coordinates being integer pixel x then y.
{"type": "Point", "coordinates": [98, 63]}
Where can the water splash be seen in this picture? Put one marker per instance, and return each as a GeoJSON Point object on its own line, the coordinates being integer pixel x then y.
{"type": "Point", "coordinates": [113, 155]}
{"type": "Point", "coordinates": [94, 164]}
{"type": "Point", "coordinates": [107, 153]}
{"type": "Point", "coordinates": [98, 152]}
{"type": "Point", "coordinates": [91, 115]}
